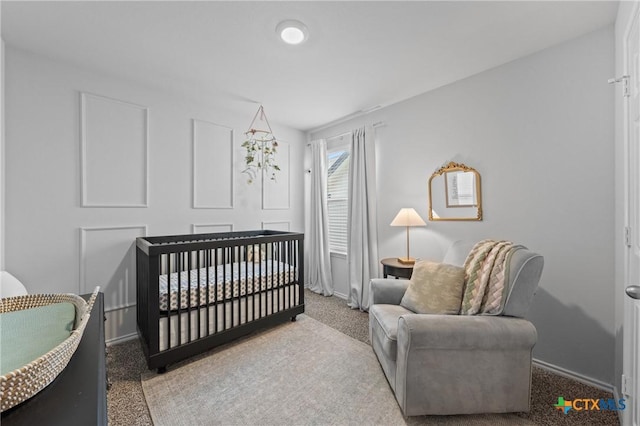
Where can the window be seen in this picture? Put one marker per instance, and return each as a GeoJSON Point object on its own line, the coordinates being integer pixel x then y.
{"type": "Point", "coordinates": [337, 196]}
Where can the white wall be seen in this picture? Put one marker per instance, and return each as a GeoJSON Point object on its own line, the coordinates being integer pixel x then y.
{"type": "Point", "coordinates": [540, 132]}
{"type": "Point", "coordinates": [339, 272]}
{"type": "Point", "coordinates": [53, 244]}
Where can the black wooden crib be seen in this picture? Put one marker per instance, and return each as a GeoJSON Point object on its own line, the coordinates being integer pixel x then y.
{"type": "Point", "coordinates": [198, 291]}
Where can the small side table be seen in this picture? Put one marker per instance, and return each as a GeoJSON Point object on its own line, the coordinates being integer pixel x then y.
{"type": "Point", "coordinates": [391, 266]}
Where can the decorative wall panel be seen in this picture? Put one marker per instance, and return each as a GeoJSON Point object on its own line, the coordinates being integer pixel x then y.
{"type": "Point", "coordinates": [212, 166]}
{"type": "Point", "coordinates": [209, 228]}
{"type": "Point", "coordinates": [108, 260]}
{"type": "Point", "coordinates": [277, 226]}
{"type": "Point", "coordinates": [114, 153]}
{"type": "Point", "coordinates": [276, 193]}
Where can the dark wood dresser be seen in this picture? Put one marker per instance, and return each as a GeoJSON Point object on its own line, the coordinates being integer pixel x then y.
{"type": "Point", "coordinates": [78, 396]}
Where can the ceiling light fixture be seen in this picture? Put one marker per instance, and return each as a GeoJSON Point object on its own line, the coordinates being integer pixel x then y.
{"type": "Point", "coordinates": [292, 31]}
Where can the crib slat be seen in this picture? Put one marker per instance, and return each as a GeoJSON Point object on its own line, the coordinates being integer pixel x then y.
{"type": "Point", "coordinates": [289, 273]}
{"type": "Point", "coordinates": [207, 263]}
{"type": "Point", "coordinates": [224, 291]}
{"type": "Point", "coordinates": [246, 283]}
{"type": "Point", "coordinates": [199, 302]}
{"type": "Point", "coordinates": [278, 278]}
{"type": "Point", "coordinates": [179, 272]}
{"type": "Point", "coordinates": [295, 266]}
{"type": "Point", "coordinates": [189, 307]}
{"type": "Point", "coordinates": [274, 276]}
{"type": "Point", "coordinates": [168, 333]}
{"type": "Point", "coordinates": [269, 278]}
{"type": "Point", "coordinates": [285, 274]}
{"type": "Point", "coordinates": [275, 268]}
{"type": "Point", "coordinates": [299, 272]}
{"type": "Point", "coordinates": [291, 260]}
{"type": "Point", "coordinates": [215, 295]}
{"type": "Point", "coordinates": [296, 276]}
{"type": "Point", "coordinates": [264, 292]}
{"type": "Point", "coordinates": [231, 284]}
{"type": "Point", "coordinates": [255, 290]}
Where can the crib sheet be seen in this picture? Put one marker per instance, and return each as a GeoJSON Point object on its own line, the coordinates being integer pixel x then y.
{"type": "Point", "coordinates": [225, 281]}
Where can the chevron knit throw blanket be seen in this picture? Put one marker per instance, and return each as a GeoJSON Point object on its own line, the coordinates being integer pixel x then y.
{"type": "Point", "coordinates": [486, 273]}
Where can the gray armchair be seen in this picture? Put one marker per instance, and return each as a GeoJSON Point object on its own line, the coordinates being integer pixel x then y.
{"type": "Point", "coordinates": [457, 364]}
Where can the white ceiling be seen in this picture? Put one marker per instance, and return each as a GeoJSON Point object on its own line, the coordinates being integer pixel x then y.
{"type": "Point", "coordinates": [359, 54]}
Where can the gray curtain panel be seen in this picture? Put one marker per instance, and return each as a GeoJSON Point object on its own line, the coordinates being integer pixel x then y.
{"type": "Point", "coordinates": [320, 280]}
{"type": "Point", "coordinates": [362, 246]}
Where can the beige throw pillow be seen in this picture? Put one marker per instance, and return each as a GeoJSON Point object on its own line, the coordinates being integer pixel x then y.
{"type": "Point", "coordinates": [435, 288]}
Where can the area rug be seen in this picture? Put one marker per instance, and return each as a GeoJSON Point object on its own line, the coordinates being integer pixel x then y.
{"type": "Point", "coordinates": [301, 373]}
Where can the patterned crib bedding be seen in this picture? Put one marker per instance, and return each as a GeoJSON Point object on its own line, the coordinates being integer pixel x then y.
{"type": "Point", "coordinates": [238, 279]}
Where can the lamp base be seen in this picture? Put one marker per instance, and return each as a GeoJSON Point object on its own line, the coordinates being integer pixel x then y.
{"type": "Point", "coordinates": [406, 260]}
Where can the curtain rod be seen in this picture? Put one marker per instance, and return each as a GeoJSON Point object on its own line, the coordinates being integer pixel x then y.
{"type": "Point", "coordinates": [341, 135]}
{"type": "Point", "coordinates": [374, 125]}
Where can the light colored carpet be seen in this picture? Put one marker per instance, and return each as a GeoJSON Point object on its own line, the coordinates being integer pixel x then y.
{"type": "Point", "coordinates": [296, 373]}
{"type": "Point", "coordinates": [302, 373]}
{"type": "Point", "coordinates": [127, 405]}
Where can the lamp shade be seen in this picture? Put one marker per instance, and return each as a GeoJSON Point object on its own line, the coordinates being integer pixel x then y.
{"type": "Point", "coordinates": [408, 217]}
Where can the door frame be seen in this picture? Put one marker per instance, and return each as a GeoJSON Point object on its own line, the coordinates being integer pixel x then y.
{"type": "Point", "coordinates": [630, 416]}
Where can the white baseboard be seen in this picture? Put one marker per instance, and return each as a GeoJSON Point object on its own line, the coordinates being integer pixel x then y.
{"type": "Point", "coordinates": [617, 396]}
{"type": "Point", "coordinates": [121, 339]}
{"type": "Point", "coordinates": [340, 295]}
{"type": "Point", "coordinates": [560, 371]}
{"type": "Point", "coordinates": [335, 293]}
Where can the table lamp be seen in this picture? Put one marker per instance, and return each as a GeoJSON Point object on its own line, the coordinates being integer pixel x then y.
{"type": "Point", "coordinates": [407, 217]}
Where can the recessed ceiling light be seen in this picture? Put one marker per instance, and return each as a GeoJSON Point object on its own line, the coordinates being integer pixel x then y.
{"type": "Point", "coordinates": [292, 32]}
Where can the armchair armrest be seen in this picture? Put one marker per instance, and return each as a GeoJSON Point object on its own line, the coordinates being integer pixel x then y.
{"type": "Point", "coordinates": [387, 291]}
{"type": "Point", "coordinates": [476, 332]}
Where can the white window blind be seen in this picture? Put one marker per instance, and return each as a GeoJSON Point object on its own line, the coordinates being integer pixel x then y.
{"type": "Point", "coordinates": [337, 196]}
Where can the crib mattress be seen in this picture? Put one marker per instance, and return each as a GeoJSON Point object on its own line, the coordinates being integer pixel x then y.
{"type": "Point", "coordinates": [224, 282]}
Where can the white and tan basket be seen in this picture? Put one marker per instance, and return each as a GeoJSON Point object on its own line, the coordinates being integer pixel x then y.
{"type": "Point", "coordinates": [23, 383]}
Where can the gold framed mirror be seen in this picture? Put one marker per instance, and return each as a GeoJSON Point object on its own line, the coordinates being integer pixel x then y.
{"type": "Point", "coordinates": [455, 193]}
